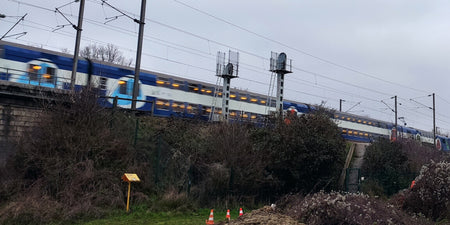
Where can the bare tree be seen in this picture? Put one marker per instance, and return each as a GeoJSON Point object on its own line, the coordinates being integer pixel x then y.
{"type": "Point", "coordinates": [109, 53]}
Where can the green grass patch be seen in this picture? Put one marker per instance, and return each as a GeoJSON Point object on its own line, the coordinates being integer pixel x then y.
{"type": "Point", "coordinates": [143, 216]}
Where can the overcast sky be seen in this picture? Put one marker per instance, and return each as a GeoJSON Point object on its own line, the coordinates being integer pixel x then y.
{"type": "Point", "coordinates": [359, 51]}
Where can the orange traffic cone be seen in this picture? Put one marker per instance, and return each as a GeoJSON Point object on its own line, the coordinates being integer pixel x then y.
{"type": "Point", "coordinates": [211, 218]}
{"type": "Point", "coordinates": [241, 212]}
{"type": "Point", "coordinates": [228, 215]}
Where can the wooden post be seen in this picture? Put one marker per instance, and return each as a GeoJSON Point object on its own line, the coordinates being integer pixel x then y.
{"type": "Point", "coordinates": [128, 198]}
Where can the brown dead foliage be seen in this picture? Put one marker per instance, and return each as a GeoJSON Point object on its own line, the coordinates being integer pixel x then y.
{"type": "Point", "coordinates": [344, 208]}
{"type": "Point", "coordinates": [263, 216]}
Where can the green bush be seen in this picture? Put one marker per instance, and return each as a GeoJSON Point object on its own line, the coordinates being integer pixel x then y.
{"type": "Point", "coordinates": [305, 155]}
{"type": "Point", "coordinates": [386, 164]}
{"type": "Point", "coordinates": [393, 165]}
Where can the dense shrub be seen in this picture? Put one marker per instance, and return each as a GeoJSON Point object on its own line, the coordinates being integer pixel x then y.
{"type": "Point", "coordinates": [306, 154]}
{"type": "Point", "coordinates": [337, 208]}
{"type": "Point", "coordinates": [387, 165]}
{"type": "Point", "coordinates": [73, 160]}
{"type": "Point", "coordinates": [236, 162]}
{"type": "Point", "coordinates": [430, 195]}
{"type": "Point", "coordinates": [391, 166]}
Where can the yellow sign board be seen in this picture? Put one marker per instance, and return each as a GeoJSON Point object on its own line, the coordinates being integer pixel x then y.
{"type": "Point", "coordinates": [130, 177]}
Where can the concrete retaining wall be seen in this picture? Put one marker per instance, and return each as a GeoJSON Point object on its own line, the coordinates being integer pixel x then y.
{"type": "Point", "coordinates": [14, 122]}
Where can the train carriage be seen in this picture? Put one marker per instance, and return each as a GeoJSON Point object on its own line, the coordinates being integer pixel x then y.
{"type": "Point", "coordinates": [166, 95]}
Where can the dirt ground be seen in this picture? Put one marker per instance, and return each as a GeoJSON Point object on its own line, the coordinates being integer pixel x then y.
{"type": "Point", "coordinates": [265, 215]}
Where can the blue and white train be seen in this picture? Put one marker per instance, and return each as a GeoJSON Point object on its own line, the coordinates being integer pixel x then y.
{"type": "Point", "coordinates": [166, 95]}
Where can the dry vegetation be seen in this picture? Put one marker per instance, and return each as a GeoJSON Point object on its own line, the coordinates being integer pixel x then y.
{"type": "Point", "coordinates": [69, 168]}
{"type": "Point", "coordinates": [345, 208]}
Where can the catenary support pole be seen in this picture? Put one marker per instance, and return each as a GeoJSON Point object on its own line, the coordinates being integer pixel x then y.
{"type": "Point", "coordinates": [396, 126]}
{"type": "Point", "coordinates": [138, 55]}
{"type": "Point", "coordinates": [77, 46]}
{"type": "Point", "coordinates": [434, 120]}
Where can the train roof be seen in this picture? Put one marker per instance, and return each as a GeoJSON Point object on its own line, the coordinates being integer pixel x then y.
{"type": "Point", "coordinates": [143, 72]}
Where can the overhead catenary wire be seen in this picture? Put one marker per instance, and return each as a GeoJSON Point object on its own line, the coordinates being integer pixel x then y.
{"type": "Point", "coordinates": [261, 57]}
{"type": "Point", "coordinates": [296, 49]}
{"type": "Point", "coordinates": [255, 55]}
{"type": "Point", "coordinates": [225, 45]}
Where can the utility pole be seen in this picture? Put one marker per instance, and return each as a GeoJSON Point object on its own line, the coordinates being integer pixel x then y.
{"type": "Point", "coordinates": [77, 45]}
{"type": "Point", "coordinates": [396, 128]}
{"type": "Point", "coordinates": [138, 55]}
{"type": "Point", "coordinates": [340, 104]}
{"type": "Point", "coordinates": [434, 120]}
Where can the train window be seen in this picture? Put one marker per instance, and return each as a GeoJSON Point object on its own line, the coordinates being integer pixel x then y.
{"type": "Point", "coordinates": [366, 134]}
{"type": "Point", "coordinates": [33, 72]}
{"type": "Point", "coordinates": [344, 131]}
{"type": "Point", "coordinates": [178, 107]}
{"type": "Point", "coordinates": [353, 119]}
{"type": "Point", "coordinates": [123, 87]}
{"type": "Point", "coordinates": [350, 132]}
{"type": "Point", "coordinates": [244, 115]}
{"type": "Point", "coordinates": [263, 102]}
{"type": "Point", "coordinates": [162, 104]}
{"type": "Point", "coordinates": [253, 99]}
{"type": "Point", "coordinates": [103, 81]}
{"type": "Point", "coordinates": [159, 104]}
{"type": "Point", "coordinates": [49, 77]}
{"type": "Point", "coordinates": [355, 133]}
{"type": "Point", "coordinates": [191, 109]}
{"type": "Point", "coordinates": [370, 123]}
{"type": "Point", "coordinates": [348, 118]}
{"type": "Point", "coordinates": [217, 110]}
{"type": "Point", "coordinates": [204, 112]}
{"type": "Point", "coordinates": [343, 117]}
{"type": "Point", "coordinates": [207, 90]}
{"type": "Point", "coordinates": [253, 116]}
{"type": "Point", "coordinates": [364, 122]}
{"type": "Point", "coordinates": [243, 98]}
{"type": "Point", "coordinates": [126, 87]}
{"type": "Point", "coordinates": [336, 116]}
{"type": "Point", "coordinates": [233, 95]}
{"type": "Point", "coordinates": [233, 113]}
{"type": "Point", "coordinates": [162, 81]}
{"type": "Point", "coordinates": [359, 121]}
{"type": "Point", "coordinates": [193, 88]}
{"type": "Point", "coordinates": [177, 84]}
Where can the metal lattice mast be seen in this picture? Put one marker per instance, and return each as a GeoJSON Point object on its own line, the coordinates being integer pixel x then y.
{"type": "Point", "coordinates": [227, 72]}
